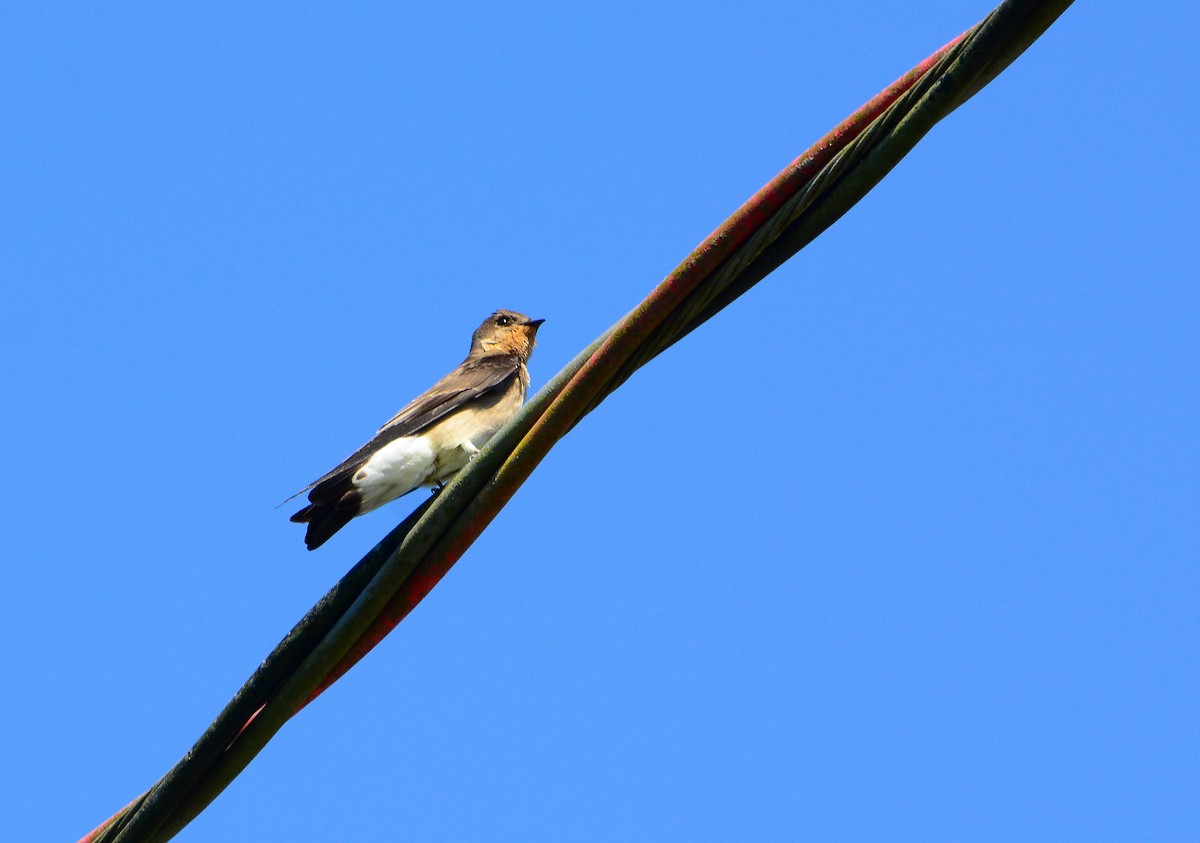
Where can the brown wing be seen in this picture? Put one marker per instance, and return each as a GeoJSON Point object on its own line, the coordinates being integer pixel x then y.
{"type": "Point", "coordinates": [473, 378]}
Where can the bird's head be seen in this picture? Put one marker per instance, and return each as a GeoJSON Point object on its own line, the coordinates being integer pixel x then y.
{"type": "Point", "coordinates": [506, 332]}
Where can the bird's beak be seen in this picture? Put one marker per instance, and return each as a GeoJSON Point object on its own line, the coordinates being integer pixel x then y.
{"type": "Point", "coordinates": [534, 323]}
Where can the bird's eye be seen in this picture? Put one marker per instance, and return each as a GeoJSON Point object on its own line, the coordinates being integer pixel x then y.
{"type": "Point", "coordinates": [503, 321]}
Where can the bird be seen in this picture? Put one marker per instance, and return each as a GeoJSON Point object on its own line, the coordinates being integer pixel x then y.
{"type": "Point", "coordinates": [434, 436]}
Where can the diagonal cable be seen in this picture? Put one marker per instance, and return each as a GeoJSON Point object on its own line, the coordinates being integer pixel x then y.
{"type": "Point", "coordinates": [791, 210]}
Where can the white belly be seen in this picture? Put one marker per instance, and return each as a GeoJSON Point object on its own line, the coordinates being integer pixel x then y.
{"type": "Point", "coordinates": [394, 470]}
{"type": "Point", "coordinates": [437, 453]}
{"type": "Point", "coordinates": [458, 437]}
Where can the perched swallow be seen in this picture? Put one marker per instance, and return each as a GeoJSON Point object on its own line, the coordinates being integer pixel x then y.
{"type": "Point", "coordinates": [433, 437]}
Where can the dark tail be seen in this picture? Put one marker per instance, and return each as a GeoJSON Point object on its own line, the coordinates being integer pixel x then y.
{"type": "Point", "coordinates": [325, 519]}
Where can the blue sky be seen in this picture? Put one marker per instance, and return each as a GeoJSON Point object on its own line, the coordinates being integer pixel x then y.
{"type": "Point", "coordinates": [903, 545]}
